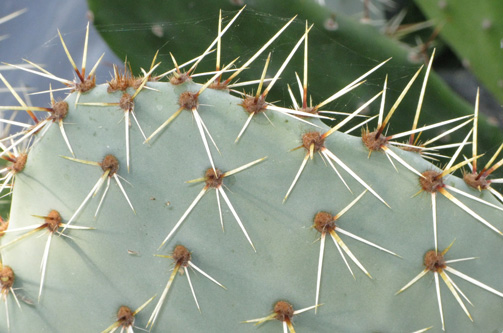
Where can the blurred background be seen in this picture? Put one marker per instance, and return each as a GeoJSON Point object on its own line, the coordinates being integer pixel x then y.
{"type": "Point", "coordinates": [33, 35]}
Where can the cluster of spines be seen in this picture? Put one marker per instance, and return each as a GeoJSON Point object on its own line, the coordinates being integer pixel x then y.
{"type": "Point", "coordinates": [429, 180]}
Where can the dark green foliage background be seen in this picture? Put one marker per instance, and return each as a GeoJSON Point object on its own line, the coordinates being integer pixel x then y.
{"type": "Point", "coordinates": [335, 57]}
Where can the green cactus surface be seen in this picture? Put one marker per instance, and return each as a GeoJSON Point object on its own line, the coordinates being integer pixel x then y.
{"type": "Point", "coordinates": [474, 31]}
{"type": "Point", "coordinates": [95, 245]}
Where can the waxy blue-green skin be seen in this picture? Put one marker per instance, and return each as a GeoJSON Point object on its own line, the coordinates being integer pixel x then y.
{"type": "Point", "coordinates": [92, 274]}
